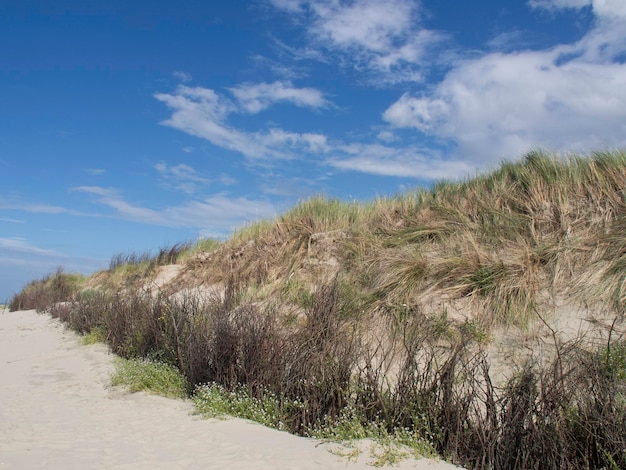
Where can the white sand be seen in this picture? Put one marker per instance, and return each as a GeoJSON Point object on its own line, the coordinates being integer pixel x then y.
{"type": "Point", "coordinates": [58, 411]}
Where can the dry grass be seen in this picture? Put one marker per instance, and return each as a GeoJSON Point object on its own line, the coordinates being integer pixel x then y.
{"type": "Point", "coordinates": [509, 240]}
{"type": "Point", "coordinates": [52, 289]}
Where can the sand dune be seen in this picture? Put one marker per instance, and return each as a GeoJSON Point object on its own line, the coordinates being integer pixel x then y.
{"type": "Point", "coordinates": [58, 411]}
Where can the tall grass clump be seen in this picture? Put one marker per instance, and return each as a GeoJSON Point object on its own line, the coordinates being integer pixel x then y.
{"type": "Point", "coordinates": [46, 292]}
{"type": "Point", "coordinates": [202, 245]}
{"type": "Point", "coordinates": [166, 255]}
{"type": "Point", "coordinates": [150, 376]}
{"type": "Point", "coordinates": [135, 269]}
{"type": "Point", "coordinates": [509, 241]}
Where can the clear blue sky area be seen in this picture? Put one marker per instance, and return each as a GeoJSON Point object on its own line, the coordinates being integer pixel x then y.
{"type": "Point", "coordinates": [131, 125]}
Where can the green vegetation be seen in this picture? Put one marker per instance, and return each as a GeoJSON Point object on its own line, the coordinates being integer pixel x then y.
{"type": "Point", "coordinates": [391, 446]}
{"type": "Point", "coordinates": [52, 289]}
{"type": "Point", "coordinates": [215, 401]}
{"type": "Point", "coordinates": [340, 320]}
{"type": "Point", "coordinates": [496, 243]}
{"type": "Point", "coordinates": [149, 376]}
{"type": "Point", "coordinates": [96, 335]}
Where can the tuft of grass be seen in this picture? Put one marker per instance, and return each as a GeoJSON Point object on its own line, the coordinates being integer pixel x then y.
{"type": "Point", "coordinates": [42, 294]}
{"type": "Point", "coordinates": [389, 447]}
{"type": "Point", "coordinates": [615, 359]}
{"type": "Point", "coordinates": [153, 377]}
{"type": "Point", "coordinates": [203, 245]}
{"type": "Point", "coordinates": [129, 269]}
{"type": "Point", "coordinates": [215, 401]}
{"type": "Point", "coordinates": [96, 335]}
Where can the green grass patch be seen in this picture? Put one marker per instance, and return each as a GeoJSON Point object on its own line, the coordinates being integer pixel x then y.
{"type": "Point", "coordinates": [615, 359]}
{"type": "Point", "coordinates": [149, 376]}
{"type": "Point", "coordinates": [97, 335]}
{"type": "Point", "coordinates": [214, 401]}
{"type": "Point", "coordinates": [388, 447]}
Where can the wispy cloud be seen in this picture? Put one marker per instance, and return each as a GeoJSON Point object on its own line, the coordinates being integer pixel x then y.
{"type": "Point", "coordinates": [203, 113]}
{"type": "Point", "coordinates": [110, 197]}
{"type": "Point", "coordinates": [22, 261]}
{"type": "Point", "coordinates": [570, 97]}
{"type": "Point", "coordinates": [279, 69]}
{"type": "Point", "coordinates": [256, 97]}
{"type": "Point", "coordinates": [558, 4]}
{"type": "Point", "coordinates": [288, 5]}
{"type": "Point", "coordinates": [216, 213]}
{"type": "Point", "coordinates": [184, 77]}
{"type": "Point", "coordinates": [182, 177]}
{"type": "Point", "coordinates": [407, 162]}
{"type": "Point", "coordinates": [289, 186]}
{"type": "Point", "coordinates": [38, 208]}
{"type": "Point", "coordinates": [95, 171]}
{"type": "Point", "coordinates": [20, 245]}
{"type": "Point", "coordinates": [603, 9]}
{"type": "Point", "coordinates": [384, 38]}
{"type": "Point", "coordinates": [10, 220]}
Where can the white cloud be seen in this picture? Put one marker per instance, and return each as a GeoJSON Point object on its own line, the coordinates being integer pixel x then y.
{"type": "Point", "coordinates": [386, 136]}
{"type": "Point", "coordinates": [288, 5]}
{"type": "Point", "coordinates": [182, 177]}
{"type": "Point", "coordinates": [301, 53]}
{"type": "Point", "coordinates": [217, 213]}
{"type": "Point", "coordinates": [279, 69]}
{"type": "Point", "coordinates": [408, 162]}
{"type": "Point", "coordinates": [226, 180]}
{"type": "Point", "coordinates": [183, 76]}
{"type": "Point", "coordinates": [110, 197]}
{"type": "Point", "coordinates": [21, 262]}
{"type": "Point", "coordinates": [257, 97]}
{"type": "Point", "coordinates": [382, 37]}
{"type": "Point", "coordinates": [95, 171]}
{"type": "Point", "coordinates": [557, 4]}
{"type": "Point", "coordinates": [420, 113]}
{"type": "Point", "coordinates": [571, 97]}
{"type": "Point", "coordinates": [289, 187]}
{"type": "Point", "coordinates": [602, 8]}
{"type": "Point", "coordinates": [20, 245]}
{"type": "Point", "coordinates": [365, 24]}
{"type": "Point", "coordinates": [221, 212]}
{"type": "Point", "coordinates": [610, 8]}
{"type": "Point", "coordinates": [37, 208]}
{"type": "Point", "coordinates": [203, 113]}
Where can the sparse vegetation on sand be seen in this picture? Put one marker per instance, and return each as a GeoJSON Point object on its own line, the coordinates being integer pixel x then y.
{"type": "Point", "coordinates": [42, 294]}
{"type": "Point", "coordinates": [386, 320]}
{"type": "Point", "coordinates": [150, 376]}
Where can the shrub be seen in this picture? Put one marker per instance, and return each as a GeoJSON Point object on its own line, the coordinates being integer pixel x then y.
{"type": "Point", "coordinates": [43, 294]}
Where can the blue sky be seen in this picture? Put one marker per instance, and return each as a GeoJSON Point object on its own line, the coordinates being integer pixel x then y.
{"type": "Point", "coordinates": [130, 125]}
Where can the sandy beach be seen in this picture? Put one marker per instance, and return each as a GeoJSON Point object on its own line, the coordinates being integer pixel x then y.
{"type": "Point", "coordinates": [59, 411]}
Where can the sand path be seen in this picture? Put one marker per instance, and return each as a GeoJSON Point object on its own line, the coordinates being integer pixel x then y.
{"type": "Point", "coordinates": [58, 411]}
